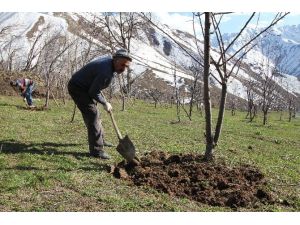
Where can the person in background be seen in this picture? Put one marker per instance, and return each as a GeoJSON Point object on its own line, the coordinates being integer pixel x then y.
{"type": "Point", "coordinates": [25, 86]}
{"type": "Point", "coordinates": [85, 89]}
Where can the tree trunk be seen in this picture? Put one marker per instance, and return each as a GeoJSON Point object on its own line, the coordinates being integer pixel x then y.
{"type": "Point", "coordinates": [123, 102]}
{"type": "Point", "coordinates": [191, 103]}
{"type": "Point", "coordinates": [128, 76]}
{"type": "Point", "coordinates": [73, 116]}
{"type": "Point", "coordinates": [254, 111]}
{"type": "Point", "coordinates": [47, 93]}
{"type": "Point", "coordinates": [290, 110]}
{"type": "Point", "coordinates": [265, 119]}
{"type": "Point", "coordinates": [178, 110]}
{"type": "Point", "coordinates": [47, 99]}
{"type": "Point", "coordinates": [221, 113]}
{"type": "Point", "coordinates": [206, 94]}
{"type": "Point", "coordinates": [53, 97]}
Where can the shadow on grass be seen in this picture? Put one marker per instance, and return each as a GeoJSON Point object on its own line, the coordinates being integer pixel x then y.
{"type": "Point", "coordinates": [22, 107]}
{"type": "Point", "coordinates": [46, 148]}
{"type": "Point", "coordinates": [95, 167]}
{"type": "Point", "coordinates": [40, 108]}
{"type": "Point", "coordinates": [5, 104]}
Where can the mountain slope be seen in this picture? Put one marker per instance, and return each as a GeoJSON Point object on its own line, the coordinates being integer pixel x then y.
{"type": "Point", "coordinates": [281, 45]}
{"type": "Point", "coordinates": [152, 49]}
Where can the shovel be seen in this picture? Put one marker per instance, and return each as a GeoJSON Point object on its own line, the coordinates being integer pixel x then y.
{"type": "Point", "coordinates": [125, 147]}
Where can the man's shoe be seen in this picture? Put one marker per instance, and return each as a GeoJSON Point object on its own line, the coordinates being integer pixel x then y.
{"type": "Point", "coordinates": [101, 154]}
{"type": "Point", "coordinates": [108, 144]}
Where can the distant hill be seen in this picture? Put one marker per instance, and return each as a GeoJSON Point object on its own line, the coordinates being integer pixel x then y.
{"type": "Point", "coordinates": [152, 49]}
{"type": "Point", "coordinates": [281, 45]}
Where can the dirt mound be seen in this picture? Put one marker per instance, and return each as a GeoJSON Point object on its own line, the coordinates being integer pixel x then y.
{"type": "Point", "coordinates": [191, 177]}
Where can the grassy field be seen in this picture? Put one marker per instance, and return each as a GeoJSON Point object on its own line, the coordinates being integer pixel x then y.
{"type": "Point", "coordinates": [44, 167]}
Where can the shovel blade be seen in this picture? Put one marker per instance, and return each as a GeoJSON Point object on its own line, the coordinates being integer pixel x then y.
{"type": "Point", "coordinates": [126, 148]}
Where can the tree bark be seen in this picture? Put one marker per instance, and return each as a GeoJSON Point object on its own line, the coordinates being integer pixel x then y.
{"type": "Point", "coordinates": [74, 112]}
{"type": "Point", "coordinates": [265, 119]}
{"type": "Point", "coordinates": [47, 92]}
{"type": "Point", "coordinates": [221, 113]}
{"type": "Point", "coordinates": [206, 94]}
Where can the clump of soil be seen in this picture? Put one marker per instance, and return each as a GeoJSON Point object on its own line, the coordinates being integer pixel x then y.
{"type": "Point", "coordinates": [190, 176]}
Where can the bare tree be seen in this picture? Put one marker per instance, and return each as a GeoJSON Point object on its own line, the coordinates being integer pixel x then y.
{"type": "Point", "coordinates": [291, 103]}
{"type": "Point", "coordinates": [33, 52]}
{"type": "Point", "coordinates": [195, 89]}
{"type": "Point", "coordinates": [176, 94]}
{"type": "Point", "coordinates": [127, 25]}
{"type": "Point", "coordinates": [206, 95]}
{"type": "Point", "coordinates": [251, 99]}
{"type": "Point", "coordinates": [268, 94]}
{"type": "Point", "coordinates": [222, 65]}
{"type": "Point", "coordinates": [3, 42]}
{"type": "Point", "coordinates": [226, 65]}
{"type": "Point", "coordinates": [285, 98]}
{"type": "Point", "coordinates": [233, 102]}
{"type": "Point", "coordinates": [10, 53]}
{"type": "Point", "coordinates": [156, 95]}
{"type": "Point", "coordinates": [267, 76]}
{"type": "Point", "coordinates": [55, 45]}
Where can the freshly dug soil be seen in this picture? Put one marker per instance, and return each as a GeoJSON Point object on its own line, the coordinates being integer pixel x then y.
{"type": "Point", "coordinates": [190, 176]}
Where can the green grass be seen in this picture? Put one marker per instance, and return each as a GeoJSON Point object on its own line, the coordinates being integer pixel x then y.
{"type": "Point", "coordinates": [43, 166]}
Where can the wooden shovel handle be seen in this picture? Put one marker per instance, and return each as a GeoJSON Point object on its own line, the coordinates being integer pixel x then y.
{"type": "Point", "coordinates": [115, 125]}
{"type": "Point", "coordinates": [113, 121]}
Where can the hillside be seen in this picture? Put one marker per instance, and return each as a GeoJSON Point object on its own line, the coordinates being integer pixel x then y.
{"type": "Point", "coordinates": [151, 48]}
{"type": "Point", "coordinates": [281, 45]}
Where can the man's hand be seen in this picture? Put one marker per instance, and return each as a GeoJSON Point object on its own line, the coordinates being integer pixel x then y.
{"type": "Point", "coordinates": [108, 107]}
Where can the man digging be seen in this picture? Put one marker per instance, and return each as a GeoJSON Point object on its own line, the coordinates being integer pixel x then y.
{"type": "Point", "coordinates": [85, 89]}
{"type": "Point", "coordinates": [25, 86]}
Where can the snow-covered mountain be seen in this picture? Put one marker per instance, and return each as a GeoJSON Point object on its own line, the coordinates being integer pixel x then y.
{"type": "Point", "coordinates": [280, 44]}
{"type": "Point", "coordinates": [151, 48]}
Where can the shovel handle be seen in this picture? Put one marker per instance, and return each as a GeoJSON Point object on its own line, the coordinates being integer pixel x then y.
{"type": "Point", "coordinates": [113, 120]}
{"type": "Point", "coordinates": [115, 125]}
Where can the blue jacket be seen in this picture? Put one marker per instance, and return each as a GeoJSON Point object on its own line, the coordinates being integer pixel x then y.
{"type": "Point", "coordinates": [94, 77]}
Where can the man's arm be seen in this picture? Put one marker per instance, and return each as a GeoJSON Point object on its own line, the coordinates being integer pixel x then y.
{"type": "Point", "coordinates": [99, 84]}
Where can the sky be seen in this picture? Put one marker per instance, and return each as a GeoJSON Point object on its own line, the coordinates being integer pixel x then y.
{"type": "Point", "coordinates": [149, 6]}
{"type": "Point", "coordinates": [178, 19]}
{"type": "Point", "coordinates": [232, 22]}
